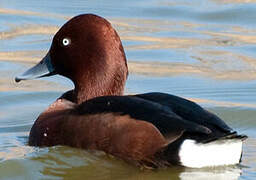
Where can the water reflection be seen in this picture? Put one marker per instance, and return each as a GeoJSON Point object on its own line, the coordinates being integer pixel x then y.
{"type": "Point", "coordinates": [64, 162]}
{"type": "Point", "coordinates": [12, 146]}
{"type": "Point", "coordinates": [212, 174]}
{"type": "Point", "coordinates": [30, 13]}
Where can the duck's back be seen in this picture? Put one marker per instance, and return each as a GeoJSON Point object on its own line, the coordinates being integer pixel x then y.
{"type": "Point", "coordinates": [195, 137]}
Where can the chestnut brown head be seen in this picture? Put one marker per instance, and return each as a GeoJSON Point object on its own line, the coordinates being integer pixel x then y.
{"type": "Point", "coordinates": [88, 51]}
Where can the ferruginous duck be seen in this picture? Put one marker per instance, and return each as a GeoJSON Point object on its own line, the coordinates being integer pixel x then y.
{"type": "Point", "coordinates": [150, 130]}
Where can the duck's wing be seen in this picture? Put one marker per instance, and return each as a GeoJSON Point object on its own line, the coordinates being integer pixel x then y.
{"type": "Point", "coordinates": [162, 117]}
{"type": "Point", "coordinates": [188, 110]}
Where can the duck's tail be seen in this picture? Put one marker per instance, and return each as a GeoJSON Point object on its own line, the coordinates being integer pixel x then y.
{"type": "Point", "coordinates": [226, 150]}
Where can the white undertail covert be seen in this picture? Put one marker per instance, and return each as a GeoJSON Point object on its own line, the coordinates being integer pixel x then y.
{"type": "Point", "coordinates": [215, 153]}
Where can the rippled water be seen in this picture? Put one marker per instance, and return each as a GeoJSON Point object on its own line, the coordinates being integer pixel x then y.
{"type": "Point", "coordinates": [202, 49]}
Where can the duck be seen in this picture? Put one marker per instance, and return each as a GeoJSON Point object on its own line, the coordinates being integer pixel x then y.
{"type": "Point", "coordinates": [150, 130]}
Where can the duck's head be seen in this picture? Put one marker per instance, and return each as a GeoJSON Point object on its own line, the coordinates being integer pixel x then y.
{"type": "Point", "coordinates": [88, 51]}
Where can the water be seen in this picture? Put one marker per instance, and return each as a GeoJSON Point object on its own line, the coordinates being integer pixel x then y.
{"type": "Point", "coordinates": [203, 50]}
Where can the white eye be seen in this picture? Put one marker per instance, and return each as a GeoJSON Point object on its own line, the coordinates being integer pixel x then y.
{"type": "Point", "coordinates": [66, 41]}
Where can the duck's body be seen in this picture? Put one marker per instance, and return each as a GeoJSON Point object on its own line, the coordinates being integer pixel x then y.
{"type": "Point", "coordinates": [153, 129]}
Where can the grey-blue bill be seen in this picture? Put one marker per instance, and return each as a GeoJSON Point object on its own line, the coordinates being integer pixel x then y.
{"type": "Point", "coordinates": [42, 69]}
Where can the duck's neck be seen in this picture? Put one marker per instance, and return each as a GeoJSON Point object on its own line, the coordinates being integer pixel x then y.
{"type": "Point", "coordinates": [94, 87]}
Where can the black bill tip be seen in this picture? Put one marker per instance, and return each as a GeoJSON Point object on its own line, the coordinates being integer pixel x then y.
{"type": "Point", "coordinates": [17, 79]}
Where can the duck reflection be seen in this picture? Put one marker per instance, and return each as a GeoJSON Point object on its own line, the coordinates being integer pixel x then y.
{"type": "Point", "coordinates": [220, 173]}
{"type": "Point", "coordinates": [70, 163]}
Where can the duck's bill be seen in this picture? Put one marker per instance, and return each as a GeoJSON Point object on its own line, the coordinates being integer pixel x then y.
{"type": "Point", "coordinates": [42, 69]}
